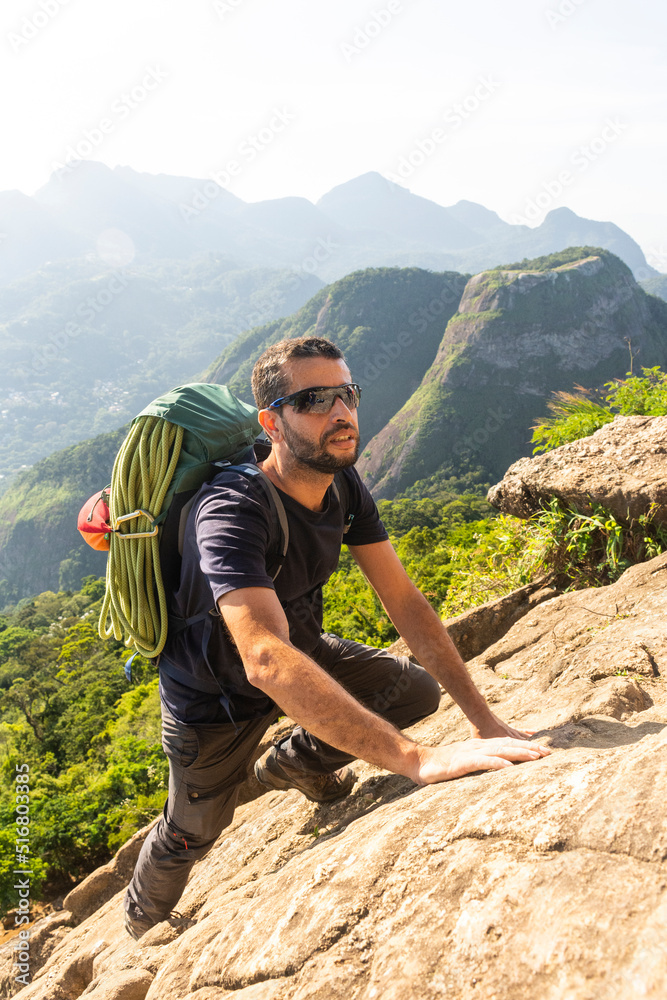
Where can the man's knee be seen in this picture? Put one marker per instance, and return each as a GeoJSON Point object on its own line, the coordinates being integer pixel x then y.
{"type": "Point", "coordinates": [413, 696]}
{"type": "Point", "coordinates": [427, 692]}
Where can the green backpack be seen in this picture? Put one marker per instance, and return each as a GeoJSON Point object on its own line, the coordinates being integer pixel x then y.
{"type": "Point", "coordinates": [176, 444]}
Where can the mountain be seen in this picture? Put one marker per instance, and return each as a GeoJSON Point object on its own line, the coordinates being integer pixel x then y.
{"type": "Point", "coordinates": [29, 236]}
{"type": "Point", "coordinates": [387, 321]}
{"type": "Point", "coordinates": [447, 391]}
{"type": "Point", "coordinates": [365, 222]}
{"type": "Point", "coordinates": [90, 199]}
{"type": "Point", "coordinates": [40, 547]}
{"type": "Point", "coordinates": [520, 333]}
{"type": "Point", "coordinates": [545, 879]}
{"type": "Point", "coordinates": [482, 221]}
{"type": "Point", "coordinates": [656, 286]}
{"type": "Point", "coordinates": [85, 346]}
{"type": "Point", "coordinates": [371, 202]}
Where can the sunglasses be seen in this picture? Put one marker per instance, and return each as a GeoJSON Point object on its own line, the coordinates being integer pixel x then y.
{"type": "Point", "coordinates": [320, 399]}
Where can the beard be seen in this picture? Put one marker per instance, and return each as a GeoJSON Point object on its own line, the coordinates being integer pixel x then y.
{"type": "Point", "coordinates": [315, 456]}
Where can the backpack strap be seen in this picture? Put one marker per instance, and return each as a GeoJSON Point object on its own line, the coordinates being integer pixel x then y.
{"type": "Point", "coordinates": [341, 489]}
{"type": "Point", "coordinates": [276, 505]}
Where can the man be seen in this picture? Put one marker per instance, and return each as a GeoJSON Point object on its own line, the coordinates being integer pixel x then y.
{"type": "Point", "coordinates": [221, 681]}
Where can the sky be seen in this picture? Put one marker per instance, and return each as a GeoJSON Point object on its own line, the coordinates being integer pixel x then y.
{"type": "Point", "coordinates": [522, 106]}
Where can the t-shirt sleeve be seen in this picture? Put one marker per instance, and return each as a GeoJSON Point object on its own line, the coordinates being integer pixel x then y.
{"type": "Point", "coordinates": [366, 526]}
{"type": "Point", "coordinates": [233, 534]}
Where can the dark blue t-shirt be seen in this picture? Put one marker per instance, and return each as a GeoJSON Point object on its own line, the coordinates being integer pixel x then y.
{"type": "Point", "coordinates": [231, 537]}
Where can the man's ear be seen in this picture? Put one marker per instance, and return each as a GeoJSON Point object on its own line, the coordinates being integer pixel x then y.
{"type": "Point", "coordinates": [270, 421]}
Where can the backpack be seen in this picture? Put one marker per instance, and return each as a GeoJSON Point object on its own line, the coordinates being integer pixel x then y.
{"type": "Point", "coordinates": [176, 444]}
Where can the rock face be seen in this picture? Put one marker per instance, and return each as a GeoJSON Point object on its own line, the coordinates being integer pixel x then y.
{"type": "Point", "coordinates": [622, 466]}
{"type": "Point", "coordinates": [388, 322]}
{"type": "Point", "coordinates": [518, 335]}
{"type": "Point", "coordinates": [546, 880]}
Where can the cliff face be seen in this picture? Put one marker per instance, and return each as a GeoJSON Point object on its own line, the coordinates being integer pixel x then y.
{"type": "Point", "coordinates": [545, 879]}
{"type": "Point", "coordinates": [387, 321]}
{"type": "Point", "coordinates": [517, 336]}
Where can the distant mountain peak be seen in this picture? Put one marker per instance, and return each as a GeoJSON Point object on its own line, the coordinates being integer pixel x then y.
{"type": "Point", "coordinates": [371, 182]}
{"type": "Point", "coordinates": [563, 212]}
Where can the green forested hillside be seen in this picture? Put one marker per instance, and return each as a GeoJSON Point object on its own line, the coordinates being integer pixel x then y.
{"type": "Point", "coordinates": [90, 740]}
{"type": "Point", "coordinates": [40, 546]}
{"type": "Point", "coordinates": [450, 395]}
{"type": "Point", "coordinates": [85, 347]}
{"type": "Point", "coordinates": [520, 333]}
{"type": "Point", "coordinates": [388, 322]}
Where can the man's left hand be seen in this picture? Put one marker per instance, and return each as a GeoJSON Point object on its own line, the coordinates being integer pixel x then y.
{"type": "Point", "coordinates": [496, 727]}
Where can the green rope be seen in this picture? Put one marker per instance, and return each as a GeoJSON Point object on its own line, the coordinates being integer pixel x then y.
{"type": "Point", "coordinates": [135, 607]}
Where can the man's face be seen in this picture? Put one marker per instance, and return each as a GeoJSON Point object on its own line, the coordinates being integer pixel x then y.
{"type": "Point", "coordinates": [325, 442]}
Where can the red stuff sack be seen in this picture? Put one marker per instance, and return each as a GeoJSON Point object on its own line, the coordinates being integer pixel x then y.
{"type": "Point", "coordinates": [93, 521]}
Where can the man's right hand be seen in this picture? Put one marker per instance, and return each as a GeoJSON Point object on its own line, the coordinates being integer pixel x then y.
{"type": "Point", "coordinates": [310, 696]}
{"type": "Point", "coordinates": [443, 763]}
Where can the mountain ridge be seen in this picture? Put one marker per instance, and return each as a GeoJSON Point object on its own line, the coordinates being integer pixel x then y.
{"type": "Point", "coordinates": [454, 370]}
{"type": "Point", "coordinates": [518, 335]}
{"type": "Point", "coordinates": [368, 221]}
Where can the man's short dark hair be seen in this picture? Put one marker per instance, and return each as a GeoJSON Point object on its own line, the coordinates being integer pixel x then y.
{"type": "Point", "coordinates": [270, 379]}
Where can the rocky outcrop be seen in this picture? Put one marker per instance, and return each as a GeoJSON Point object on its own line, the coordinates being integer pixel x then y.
{"type": "Point", "coordinates": [478, 628]}
{"type": "Point", "coordinates": [546, 879]}
{"type": "Point", "coordinates": [622, 466]}
{"type": "Point", "coordinates": [519, 334]}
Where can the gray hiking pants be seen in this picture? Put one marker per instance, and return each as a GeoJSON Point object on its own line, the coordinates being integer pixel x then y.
{"type": "Point", "coordinates": [208, 763]}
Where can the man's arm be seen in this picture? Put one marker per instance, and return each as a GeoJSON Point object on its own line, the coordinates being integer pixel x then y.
{"type": "Point", "coordinates": [420, 626]}
{"type": "Point", "coordinates": [316, 701]}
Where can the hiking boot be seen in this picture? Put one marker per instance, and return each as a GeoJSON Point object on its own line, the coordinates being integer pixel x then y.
{"type": "Point", "coordinates": [274, 771]}
{"type": "Point", "coordinates": [137, 923]}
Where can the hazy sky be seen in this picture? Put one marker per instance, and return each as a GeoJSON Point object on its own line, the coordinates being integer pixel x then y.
{"type": "Point", "coordinates": [522, 106]}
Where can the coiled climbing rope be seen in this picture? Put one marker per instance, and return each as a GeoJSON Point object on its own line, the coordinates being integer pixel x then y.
{"type": "Point", "coordinates": [134, 607]}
